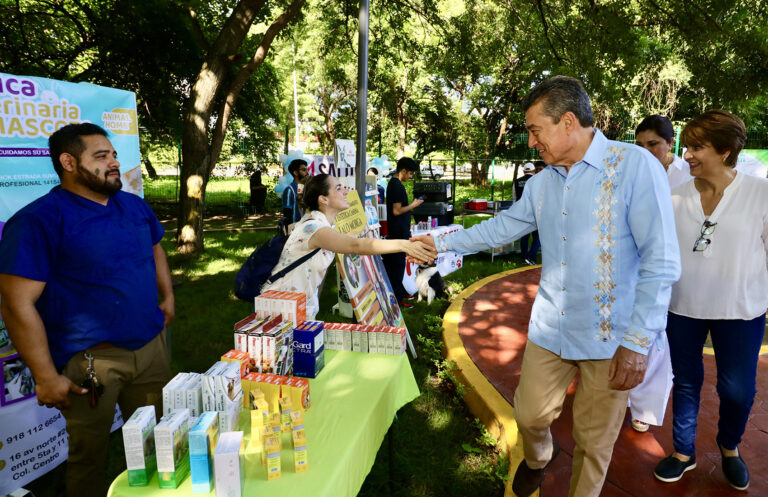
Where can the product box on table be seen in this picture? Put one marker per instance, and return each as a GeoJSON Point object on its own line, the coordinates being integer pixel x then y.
{"type": "Point", "coordinates": [229, 417]}
{"type": "Point", "coordinates": [228, 463]}
{"type": "Point", "coordinates": [208, 384]}
{"type": "Point", "coordinates": [299, 451]}
{"type": "Point", "coordinates": [139, 441]}
{"type": "Point", "coordinates": [169, 391]}
{"type": "Point", "coordinates": [171, 445]}
{"type": "Point", "coordinates": [202, 443]}
{"type": "Point", "coordinates": [227, 385]}
{"type": "Point", "coordinates": [242, 328]}
{"type": "Point", "coordinates": [239, 357]}
{"type": "Point", "coordinates": [277, 349]}
{"type": "Point", "coordinates": [297, 389]}
{"type": "Point", "coordinates": [308, 338]}
{"type": "Point", "coordinates": [270, 384]}
{"type": "Point", "coordinates": [272, 451]}
{"type": "Point", "coordinates": [308, 366]}
{"type": "Point", "coordinates": [193, 394]}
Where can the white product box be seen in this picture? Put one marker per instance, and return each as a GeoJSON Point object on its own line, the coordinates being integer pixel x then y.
{"type": "Point", "coordinates": [139, 441]}
{"type": "Point", "coordinates": [228, 465]}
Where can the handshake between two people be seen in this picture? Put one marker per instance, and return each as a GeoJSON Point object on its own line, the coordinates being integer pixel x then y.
{"type": "Point", "coordinates": [422, 250]}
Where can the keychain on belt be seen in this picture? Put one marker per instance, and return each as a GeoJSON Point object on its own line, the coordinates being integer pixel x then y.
{"type": "Point", "coordinates": [92, 383]}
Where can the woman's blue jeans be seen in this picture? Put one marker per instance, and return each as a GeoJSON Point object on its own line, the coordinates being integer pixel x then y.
{"type": "Point", "coordinates": [737, 346]}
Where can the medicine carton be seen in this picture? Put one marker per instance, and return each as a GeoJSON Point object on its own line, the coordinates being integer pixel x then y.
{"type": "Point", "coordinates": [399, 341]}
{"type": "Point", "coordinates": [229, 417]}
{"type": "Point", "coordinates": [139, 441]}
{"type": "Point", "coordinates": [272, 451]}
{"type": "Point", "coordinates": [193, 391]}
{"type": "Point", "coordinates": [203, 438]}
{"type": "Point", "coordinates": [293, 307]}
{"type": "Point", "coordinates": [241, 358]}
{"type": "Point", "coordinates": [285, 414]}
{"type": "Point", "coordinates": [382, 337]}
{"type": "Point", "coordinates": [242, 328]}
{"type": "Point", "coordinates": [277, 351]}
{"type": "Point", "coordinates": [299, 451]}
{"type": "Point", "coordinates": [228, 464]}
{"type": "Point", "coordinates": [297, 420]}
{"type": "Point", "coordinates": [172, 445]}
{"type": "Point", "coordinates": [208, 384]}
{"type": "Point", "coordinates": [169, 392]}
{"type": "Point", "coordinates": [308, 366]}
{"type": "Point", "coordinates": [227, 386]}
{"type": "Point", "coordinates": [296, 389]}
{"type": "Point", "coordinates": [308, 338]}
{"type": "Point", "coordinates": [270, 384]}
{"type": "Point", "coordinates": [391, 336]}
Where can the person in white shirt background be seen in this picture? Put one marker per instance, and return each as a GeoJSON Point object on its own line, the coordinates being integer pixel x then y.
{"type": "Point", "coordinates": [721, 220]}
{"type": "Point", "coordinates": [648, 401]}
{"type": "Point", "coordinates": [657, 135]}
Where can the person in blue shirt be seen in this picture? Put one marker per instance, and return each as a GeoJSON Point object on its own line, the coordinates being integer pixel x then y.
{"type": "Point", "coordinates": [609, 259]}
{"type": "Point", "coordinates": [291, 205]}
{"type": "Point", "coordinates": [84, 281]}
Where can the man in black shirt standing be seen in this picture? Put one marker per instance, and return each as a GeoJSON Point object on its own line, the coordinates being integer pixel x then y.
{"type": "Point", "coordinates": [529, 252]}
{"type": "Point", "coordinates": [399, 222]}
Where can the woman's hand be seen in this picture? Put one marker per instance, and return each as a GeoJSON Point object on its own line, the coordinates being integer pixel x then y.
{"type": "Point", "coordinates": [420, 252]}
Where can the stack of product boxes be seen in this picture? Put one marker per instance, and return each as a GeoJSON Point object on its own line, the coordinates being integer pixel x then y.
{"type": "Point", "coordinates": [379, 339]}
{"type": "Point", "coordinates": [184, 391]}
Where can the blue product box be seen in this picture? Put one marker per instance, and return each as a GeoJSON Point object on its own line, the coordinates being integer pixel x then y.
{"type": "Point", "coordinates": [308, 365]}
{"type": "Point", "coordinates": [308, 339]}
{"type": "Point", "coordinates": [202, 443]}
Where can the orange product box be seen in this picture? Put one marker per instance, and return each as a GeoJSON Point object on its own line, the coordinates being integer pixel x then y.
{"type": "Point", "coordinates": [239, 357]}
{"type": "Point", "coordinates": [270, 384]}
{"type": "Point", "coordinates": [297, 389]}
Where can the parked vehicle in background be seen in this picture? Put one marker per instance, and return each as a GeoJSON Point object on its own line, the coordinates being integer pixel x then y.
{"type": "Point", "coordinates": [432, 171]}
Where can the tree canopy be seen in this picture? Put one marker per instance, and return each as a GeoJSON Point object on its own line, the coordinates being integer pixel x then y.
{"type": "Point", "coordinates": [442, 73]}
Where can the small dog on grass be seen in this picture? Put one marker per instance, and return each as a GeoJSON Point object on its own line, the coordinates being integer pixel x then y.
{"type": "Point", "coordinates": [430, 284]}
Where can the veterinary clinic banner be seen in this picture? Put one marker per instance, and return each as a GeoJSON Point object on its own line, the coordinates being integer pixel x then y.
{"type": "Point", "coordinates": [32, 438]}
{"type": "Point", "coordinates": [31, 109]}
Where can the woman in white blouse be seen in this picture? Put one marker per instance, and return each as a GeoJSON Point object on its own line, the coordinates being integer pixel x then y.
{"type": "Point", "coordinates": [324, 199]}
{"type": "Point", "coordinates": [722, 226]}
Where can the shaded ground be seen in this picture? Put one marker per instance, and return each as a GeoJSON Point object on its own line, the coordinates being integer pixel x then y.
{"type": "Point", "coordinates": [494, 327]}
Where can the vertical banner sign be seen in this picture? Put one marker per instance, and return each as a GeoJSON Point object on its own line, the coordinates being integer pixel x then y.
{"type": "Point", "coordinates": [365, 279]}
{"type": "Point", "coordinates": [33, 108]}
{"type": "Point", "coordinates": [33, 439]}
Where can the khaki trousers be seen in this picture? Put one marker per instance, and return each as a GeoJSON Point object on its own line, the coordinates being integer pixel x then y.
{"type": "Point", "coordinates": [131, 378]}
{"type": "Point", "coordinates": [598, 412]}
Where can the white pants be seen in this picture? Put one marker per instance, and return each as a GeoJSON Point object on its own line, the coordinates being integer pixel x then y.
{"type": "Point", "coordinates": [648, 400]}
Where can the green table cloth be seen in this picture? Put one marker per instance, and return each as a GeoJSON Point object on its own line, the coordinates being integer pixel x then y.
{"type": "Point", "coordinates": [353, 403]}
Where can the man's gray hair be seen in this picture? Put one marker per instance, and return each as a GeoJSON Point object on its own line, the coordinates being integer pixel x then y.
{"type": "Point", "coordinates": [561, 94]}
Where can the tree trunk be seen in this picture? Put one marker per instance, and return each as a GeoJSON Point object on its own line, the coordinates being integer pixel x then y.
{"type": "Point", "coordinates": [199, 154]}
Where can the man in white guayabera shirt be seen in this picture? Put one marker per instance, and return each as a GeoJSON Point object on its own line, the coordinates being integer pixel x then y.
{"type": "Point", "coordinates": [609, 258]}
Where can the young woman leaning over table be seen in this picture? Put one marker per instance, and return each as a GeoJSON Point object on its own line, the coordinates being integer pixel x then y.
{"type": "Point", "coordinates": [323, 199]}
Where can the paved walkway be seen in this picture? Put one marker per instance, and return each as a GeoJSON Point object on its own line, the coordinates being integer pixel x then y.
{"type": "Point", "coordinates": [486, 329]}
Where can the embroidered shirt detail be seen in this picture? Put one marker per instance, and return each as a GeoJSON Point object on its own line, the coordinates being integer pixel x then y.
{"type": "Point", "coordinates": [638, 339]}
{"type": "Point", "coordinates": [606, 231]}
